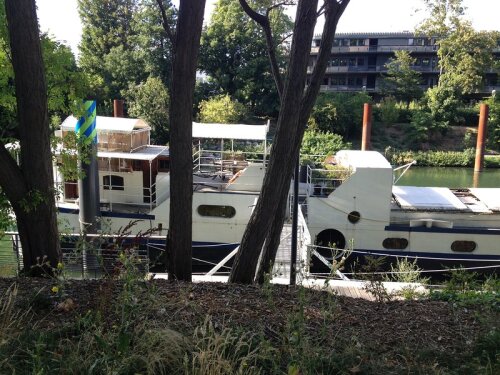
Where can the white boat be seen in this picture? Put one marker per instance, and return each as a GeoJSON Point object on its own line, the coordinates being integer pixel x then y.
{"type": "Point", "coordinates": [356, 205]}
{"type": "Point", "coordinates": [134, 184]}
{"type": "Point", "coordinates": [353, 206]}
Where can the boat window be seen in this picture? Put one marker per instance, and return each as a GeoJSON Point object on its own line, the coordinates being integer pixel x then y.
{"type": "Point", "coordinates": [395, 243]}
{"type": "Point", "coordinates": [216, 211]}
{"type": "Point", "coordinates": [112, 183]}
{"type": "Point", "coordinates": [463, 246]}
{"type": "Point", "coordinates": [354, 217]}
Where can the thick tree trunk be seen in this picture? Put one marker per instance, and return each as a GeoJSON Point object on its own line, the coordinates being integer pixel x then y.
{"type": "Point", "coordinates": [267, 219]}
{"type": "Point", "coordinates": [30, 188]}
{"type": "Point", "coordinates": [186, 46]}
{"type": "Point", "coordinates": [279, 171]}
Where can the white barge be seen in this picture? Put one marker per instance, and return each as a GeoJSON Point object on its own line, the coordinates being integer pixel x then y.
{"type": "Point", "coordinates": [365, 212]}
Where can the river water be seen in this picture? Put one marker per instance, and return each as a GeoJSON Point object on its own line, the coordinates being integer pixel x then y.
{"type": "Point", "coordinates": [449, 177]}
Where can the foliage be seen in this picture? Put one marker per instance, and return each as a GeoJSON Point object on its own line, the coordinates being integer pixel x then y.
{"type": "Point", "coordinates": [466, 288]}
{"type": "Point", "coordinates": [401, 81]}
{"type": "Point", "coordinates": [432, 158]}
{"type": "Point", "coordinates": [123, 42]}
{"type": "Point", "coordinates": [340, 113]}
{"type": "Point", "coordinates": [422, 128]}
{"type": "Point", "coordinates": [387, 112]}
{"type": "Point", "coordinates": [65, 81]}
{"type": "Point", "coordinates": [222, 109]}
{"type": "Point", "coordinates": [494, 122]}
{"type": "Point", "coordinates": [464, 54]}
{"type": "Point", "coordinates": [233, 53]}
{"type": "Point", "coordinates": [150, 101]}
{"type": "Point", "coordinates": [318, 145]}
{"type": "Point", "coordinates": [443, 102]}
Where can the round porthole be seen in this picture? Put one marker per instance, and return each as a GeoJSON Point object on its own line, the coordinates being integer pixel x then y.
{"type": "Point", "coordinates": [354, 217]}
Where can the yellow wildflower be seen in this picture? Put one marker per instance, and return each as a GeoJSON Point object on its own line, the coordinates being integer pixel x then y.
{"type": "Point", "coordinates": [55, 289]}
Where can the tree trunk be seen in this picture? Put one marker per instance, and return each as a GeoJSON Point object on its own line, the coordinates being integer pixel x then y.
{"type": "Point", "coordinates": [279, 171]}
{"type": "Point", "coordinates": [186, 46]}
{"type": "Point", "coordinates": [30, 187]}
{"type": "Point", "coordinates": [266, 221]}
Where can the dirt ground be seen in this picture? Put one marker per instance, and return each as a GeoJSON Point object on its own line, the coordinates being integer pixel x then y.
{"type": "Point", "coordinates": [385, 331]}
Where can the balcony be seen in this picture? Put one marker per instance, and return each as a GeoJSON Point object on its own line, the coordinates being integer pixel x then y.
{"type": "Point", "coordinates": [378, 49]}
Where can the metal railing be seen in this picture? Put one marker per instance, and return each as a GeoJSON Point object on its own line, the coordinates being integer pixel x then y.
{"type": "Point", "coordinates": [322, 182]}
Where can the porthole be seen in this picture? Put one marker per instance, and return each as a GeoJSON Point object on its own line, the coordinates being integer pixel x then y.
{"type": "Point", "coordinates": [463, 246]}
{"type": "Point", "coordinates": [395, 243]}
{"type": "Point", "coordinates": [216, 211]}
{"type": "Point", "coordinates": [354, 217]}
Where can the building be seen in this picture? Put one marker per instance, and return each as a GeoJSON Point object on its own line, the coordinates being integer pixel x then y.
{"type": "Point", "coordinates": [358, 61]}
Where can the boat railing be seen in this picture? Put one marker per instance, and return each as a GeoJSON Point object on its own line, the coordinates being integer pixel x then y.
{"type": "Point", "coordinates": [322, 182]}
{"type": "Point", "coordinates": [224, 163]}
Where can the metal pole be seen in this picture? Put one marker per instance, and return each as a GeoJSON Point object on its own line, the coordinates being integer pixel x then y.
{"type": "Point", "coordinates": [293, 257]}
{"type": "Point", "coordinates": [481, 135]}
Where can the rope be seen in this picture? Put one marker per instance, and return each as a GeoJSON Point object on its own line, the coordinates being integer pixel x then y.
{"type": "Point", "coordinates": [403, 256]}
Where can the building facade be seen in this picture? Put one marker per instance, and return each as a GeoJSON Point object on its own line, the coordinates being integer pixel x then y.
{"type": "Point", "coordinates": [358, 60]}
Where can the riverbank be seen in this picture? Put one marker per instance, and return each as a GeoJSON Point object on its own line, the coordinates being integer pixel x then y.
{"type": "Point", "coordinates": [156, 327]}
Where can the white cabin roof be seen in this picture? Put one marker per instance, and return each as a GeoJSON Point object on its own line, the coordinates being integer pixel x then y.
{"type": "Point", "coordinates": [230, 131]}
{"type": "Point", "coordinates": [362, 159]}
{"type": "Point", "coordinates": [427, 198]}
{"type": "Point", "coordinates": [145, 153]}
{"type": "Point", "coordinates": [109, 124]}
{"type": "Point", "coordinates": [489, 196]}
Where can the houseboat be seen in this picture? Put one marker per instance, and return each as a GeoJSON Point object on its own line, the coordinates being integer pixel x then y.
{"type": "Point", "coordinates": [356, 207]}
{"type": "Point", "coordinates": [134, 183]}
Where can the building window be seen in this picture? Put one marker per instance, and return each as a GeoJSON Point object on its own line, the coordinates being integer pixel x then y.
{"type": "Point", "coordinates": [352, 61]}
{"type": "Point", "coordinates": [112, 182]}
{"type": "Point", "coordinates": [336, 42]}
{"type": "Point", "coordinates": [463, 246]}
{"type": "Point", "coordinates": [395, 243]}
{"type": "Point", "coordinates": [343, 62]}
{"type": "Point", "coordinates": [426, 61]}
{"type": "Point", "coordinates": [325, 81]}
{"type": "Point", "coordinates": [334, 62]}
{"type": "Point", "coordinates": [216, 211]}
{"type": "Point", "coordinates": [361, 61]}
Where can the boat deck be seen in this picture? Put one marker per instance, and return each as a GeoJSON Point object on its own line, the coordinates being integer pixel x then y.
{"type": "Point", "coordinates": [413, 198]}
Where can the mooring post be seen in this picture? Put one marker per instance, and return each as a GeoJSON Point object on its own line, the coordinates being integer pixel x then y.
{"type": "Point", "coordinates": [118, 108]}
{"type": "Point", "coordinates": [481, 135]}
{"type": "Point", "coordinates": [367, 127]}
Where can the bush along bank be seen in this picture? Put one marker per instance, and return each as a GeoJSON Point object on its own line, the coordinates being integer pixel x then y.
{"type": "Point", "coordinates": [439, 158]}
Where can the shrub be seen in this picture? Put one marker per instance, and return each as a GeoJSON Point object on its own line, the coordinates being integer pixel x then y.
{"type": "Point", "coordinates": [317, 145]}
{"type": "Point", "coordinates": [432, 158]}
{"type": "Point", "coordinates": [222, 109]}
{"type": "Point", "coordinates": [494, 123]}
{"type": "Point", "coordinates": [387, 111]}
{"type": "Point", "coordinates": [340, 113]}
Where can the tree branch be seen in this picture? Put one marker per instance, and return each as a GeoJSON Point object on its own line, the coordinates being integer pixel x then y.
{"type": "Point", "coordinates": [165, 23]}
{"type": "Point", "coordinates": [263, 21]}
{"type": "Point", "coordinates": [333, 12]}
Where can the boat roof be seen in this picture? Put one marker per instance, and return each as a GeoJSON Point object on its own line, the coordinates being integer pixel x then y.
{"type": "Point", "coordinates": [362, 159]}
{"type": "Point", "coordinates": [489, 196]}
{"type": "Point", "coordinates": [109, 124]}
{"type": "Point", "coordinates": [427, 198]}
{"type": "Point", "coordinates": [144, 153]}
{"type": "Point", "coordinates": [230, 131]}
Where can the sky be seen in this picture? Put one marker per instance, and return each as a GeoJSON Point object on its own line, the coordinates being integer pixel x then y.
{"type": "Point", "coordinates": [60, 17]}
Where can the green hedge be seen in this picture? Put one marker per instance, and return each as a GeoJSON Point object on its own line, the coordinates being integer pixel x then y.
{"type": "Point", "coordinates": [432, 158]}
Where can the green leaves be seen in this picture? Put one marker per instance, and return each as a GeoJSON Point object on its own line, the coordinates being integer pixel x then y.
{"type": "Point", "coordinates": [150, 101]}
{"type": "Point", "coordinates": [222, 109]}
{"type": "Point", "coordinates": [401, 81]}
{"type": "Point", "coordinates": [234, 54]}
